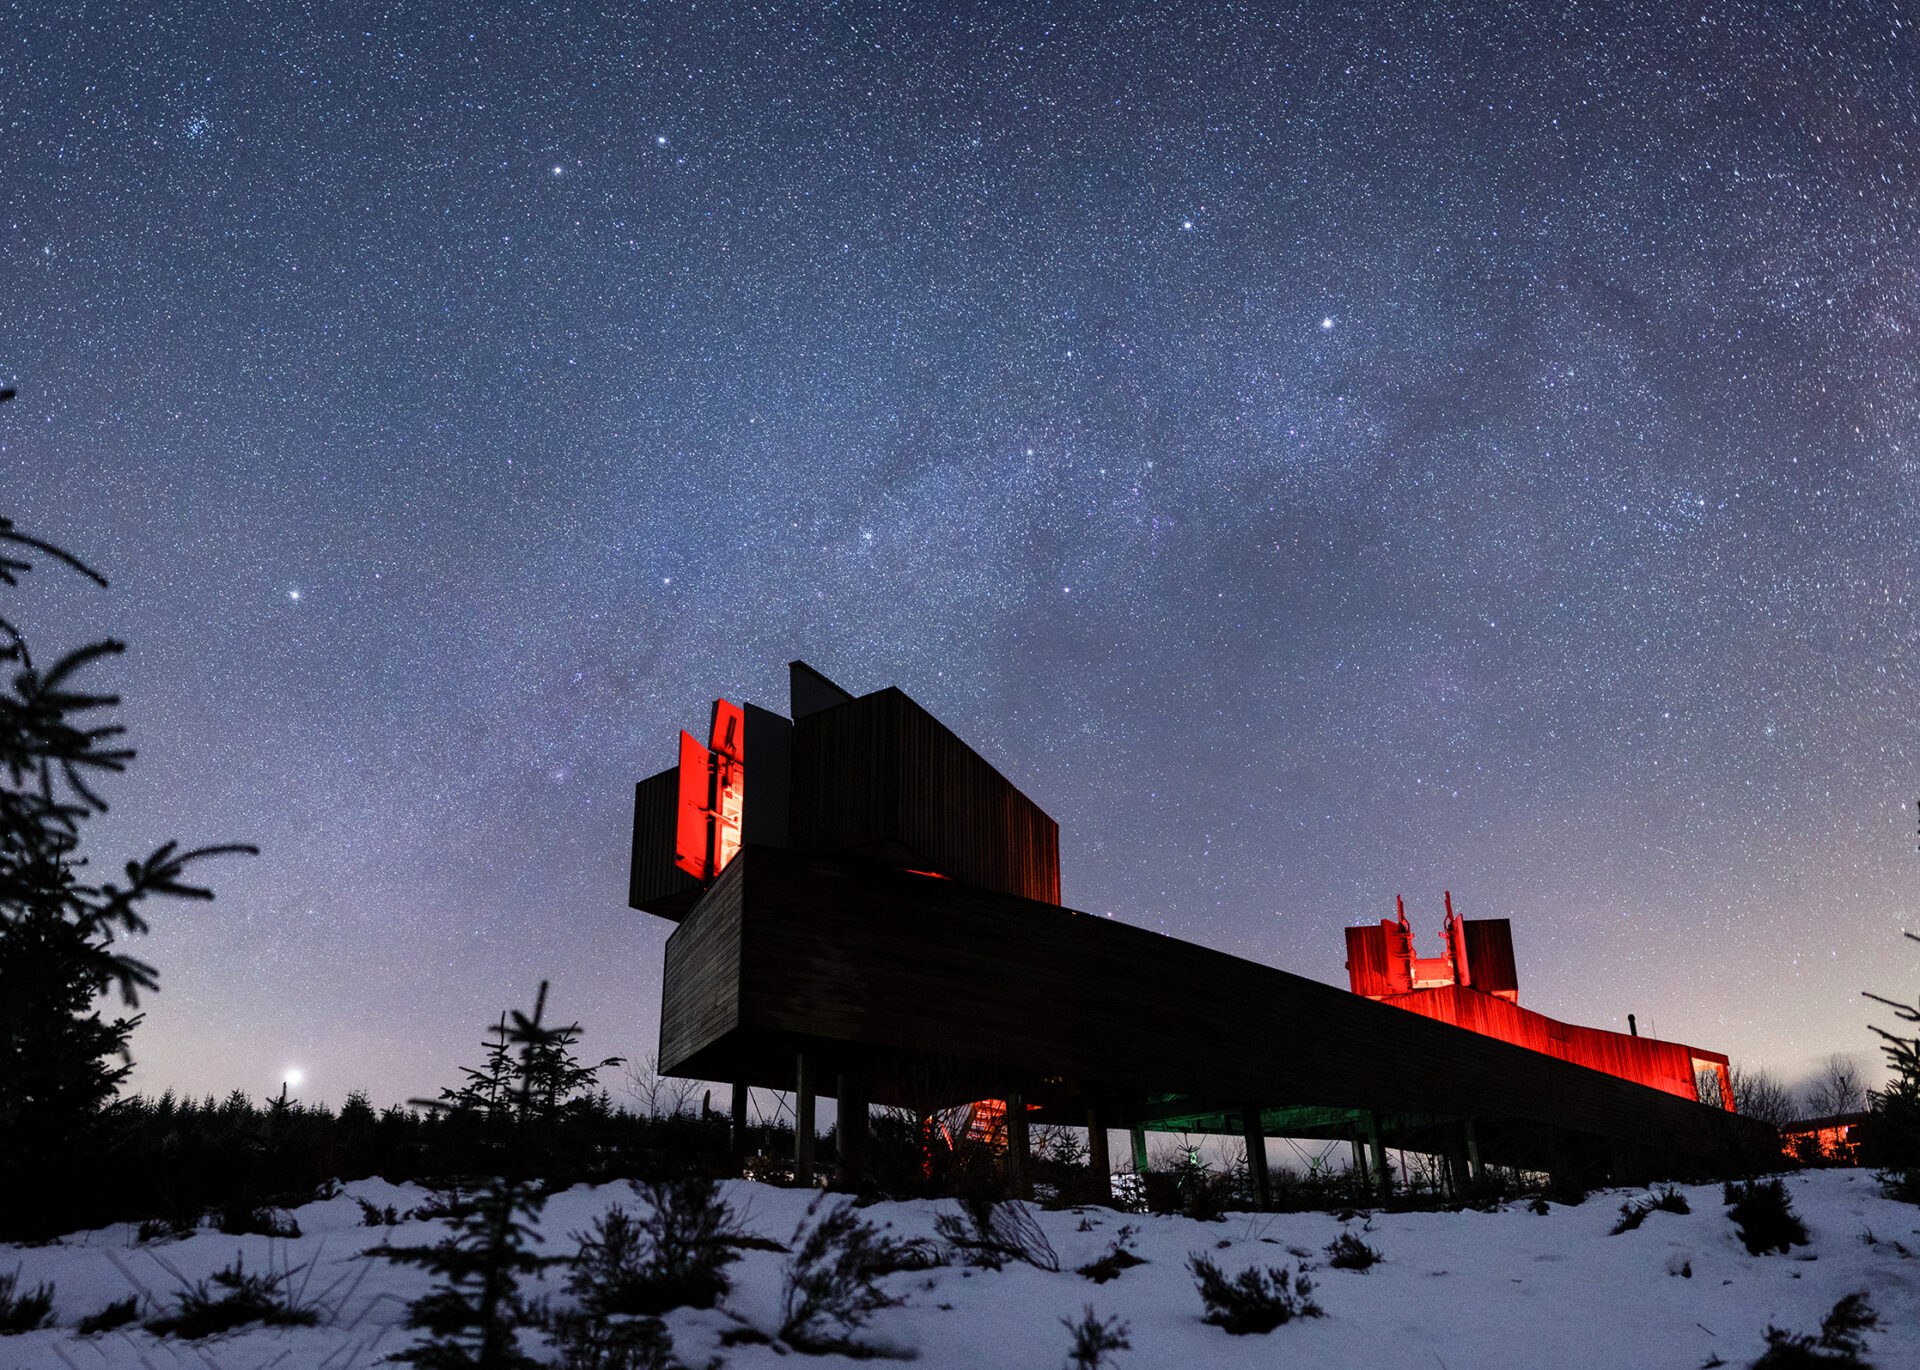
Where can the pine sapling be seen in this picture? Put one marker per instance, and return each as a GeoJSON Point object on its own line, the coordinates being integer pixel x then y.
{"type": "Point", "coordinates": [473, 1315]}
{"type": "Point", "coordinates": [1839, 1342]}
{"type": "Point", "coordinates": [831, 1286]}
{"type": "Point", "coordinates": [1094, 1339]}
{"type": "Point", "coordinates": [1254, 1300]}
{"type": "Point", "coordinates": [1119, 1257]}
{"type": "Point", "coordinates": [1764, 1214]}
{"type": "Point", "coordinates": [23, 1312]}
{"type": "Point", "coordinates": [1348, 1252]}
{"type": "Point", "coordinates": [232, 1298]}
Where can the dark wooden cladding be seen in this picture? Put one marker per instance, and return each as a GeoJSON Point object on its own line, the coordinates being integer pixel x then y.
{"type": "Point", "coordinates": [654, 882]}
{"type": "Point", "coordinates": [856, 958]}
{"type": "Point", "coordinates": [700, 986]}
{"type": "Point", "coordinates": [881, 777]}
{"type": "Point", "coordinates": [1490, 954]}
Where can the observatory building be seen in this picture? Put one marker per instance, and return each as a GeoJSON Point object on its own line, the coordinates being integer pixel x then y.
{"type": "Point", "coordinates": [867, 909]}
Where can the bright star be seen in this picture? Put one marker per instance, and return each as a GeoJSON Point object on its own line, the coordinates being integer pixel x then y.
{"type": "Point", "coordinates": [1186, 224]}
{"type": "Point", "coordinates": [1327, 322]}
{"type": "Point", "coordinates": [662, 140]}
{"type": "Point", "coordinates": [296, 1077]}
{"type": "Point", "coordinates": [293, 594]}
{"type": "Point", "coordinates": [559, 170]}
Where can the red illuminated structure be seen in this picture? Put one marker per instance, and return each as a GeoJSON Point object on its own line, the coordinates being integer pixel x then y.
{"type": "Point", "coordinates": [1474, 986]}
{"type": "Point", "coordinates": [712, 787]}
{"type": "Point", "coordinates": [886, 873]}
{"type": "Point", "coordinates": [1832, 1140]}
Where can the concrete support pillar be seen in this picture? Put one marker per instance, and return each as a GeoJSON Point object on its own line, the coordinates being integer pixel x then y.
{"type": "Point", "coordinates": [1381, 1173]}
{"type": "Point", "coordinates": [803, 1088]}
{"type": "Point", "coordinates": [851, 1130]}
{"type": "Point", "coordinates": [737, 1134]}
{"type": "Point", "coordinates": [1257, 1157]}
{"type": "Point", "coordinates": [1019, 1161]}
{"type": "Point", "coordinates": [1138, 1135]}
{"type": "Point", "coordinates": [1097, 1159]}
{"type": "Point", "coordinates": [1476, 1168]}
{"type": "Point", "coordinates": [1359, 1157]}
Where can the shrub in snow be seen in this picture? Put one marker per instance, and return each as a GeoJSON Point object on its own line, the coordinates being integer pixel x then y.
{"type": "Point", "coordinates": [673, 1255]}
{"type": "Point", "coordinates": [1119, 1257]}
{"type": "Point", "coordinates": [687, 1238]}
{"type": "Point", "coordinates": [175, 1227]}
{"type": "Point", "coordinates": [1765, 1216]}
{"type": "Point", "coordinates": [1839, 1342]}
{"type": "Point", "coordinates": [1094, 1339]}
{"type": "Point", "coordinates": [988, 1234]}
{"type": "Point", "coordinates": [616, 1284]}
{"type": "Point", "coordinates": [233, 1298]}
{"type": "Point", "coordinates": [1667, 1200]}
{"type": "Point", "coordinates": [23, 1312]}
{"type": "Point", "coordinates": [113, 1315]}
{"type": "Point", "coordinates": [1255, 1300]}
{"type": "Point", "coordinates": [831, 1286]}
{"type": "Point", "coordinates": [618, 1342]}
{"type": "Point", "coordinates": [241, 1219]}
{"type": "Point", "coordinates": [1348, 1252]}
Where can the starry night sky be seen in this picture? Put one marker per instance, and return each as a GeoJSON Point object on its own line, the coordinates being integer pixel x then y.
{"type": "Point", "coordinates": [1317, 454]}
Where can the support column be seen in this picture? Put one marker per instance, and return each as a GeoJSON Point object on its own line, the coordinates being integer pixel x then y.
{"type": "Point", "coordinates": [851, 1130]}
{"type": "Point", "coordinates": [737, 1137]}
{"type": "Point", "coordinates": [1359, 1156]}
{"type": "Point", "coordinates": [1380, 1170]}
{"type": "Point", "coordinates": [1097, 1159]}
{"type": "Point", "coordinates": [803, 1120]}
{"type": "Point", "coordinates": [1019, 1162]}
{"type": "Point", "coordinates": [1476, 1168]}
{"type": "Point", "coordinates": [1138, 1135]}
{"type": "Point", "coordinates": [1257, 1157]}
{"type": "Point", "coordinates": [1457, 1171]}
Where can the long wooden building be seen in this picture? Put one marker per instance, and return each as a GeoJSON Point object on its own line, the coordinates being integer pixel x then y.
{"type": "Point", "coordinates": [868, 909]}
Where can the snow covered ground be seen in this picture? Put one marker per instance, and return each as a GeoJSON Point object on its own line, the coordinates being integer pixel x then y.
{"type": "Point", "coordinates": [1456, 1290]}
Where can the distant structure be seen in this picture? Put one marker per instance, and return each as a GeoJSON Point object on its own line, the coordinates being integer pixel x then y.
{"type": "Point", "coordinates": [1834, 1139]}
{"type": "Point", "coordinates": [1474, 985]}
{"type": "Point", "coordinates": [868, 909]}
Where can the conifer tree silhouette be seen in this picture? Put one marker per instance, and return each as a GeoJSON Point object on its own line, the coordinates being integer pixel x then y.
{"type": "Point", "coordinates": [61, 935]}
{"type": "Point", "coordinates": [472, 1314]}
{"type": "Point", "coordinates": [1893, 1142]}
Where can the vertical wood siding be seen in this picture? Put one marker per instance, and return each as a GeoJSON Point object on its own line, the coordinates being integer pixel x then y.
{"type": "Point", "coordinates": [700, 985]}
{"type": "Point", "coordinates": [882, 777]}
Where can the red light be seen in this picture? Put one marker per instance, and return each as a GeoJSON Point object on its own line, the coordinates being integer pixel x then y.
{"type": "Point", "coordinates": [690, 830]}
{"type": "Point", "coordinates": [712, 795]}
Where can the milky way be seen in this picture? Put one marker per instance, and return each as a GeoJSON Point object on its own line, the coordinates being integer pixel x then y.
{"type": "Point", "coordinates": [1317, 455]}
